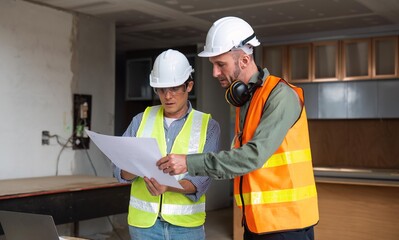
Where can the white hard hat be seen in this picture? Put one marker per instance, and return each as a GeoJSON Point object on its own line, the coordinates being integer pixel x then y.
{"type": "Point", "coordinates": [228, 33]}
{"type": "Point", "coordinates": [171, 68]}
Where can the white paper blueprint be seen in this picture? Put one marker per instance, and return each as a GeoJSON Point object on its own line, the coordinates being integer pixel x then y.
{"type": "Point", "coordinates": [135, 155]}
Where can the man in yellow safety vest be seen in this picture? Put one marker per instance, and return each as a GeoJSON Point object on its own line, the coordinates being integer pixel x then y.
{"type": "Point", "coordinates": [157, 211]}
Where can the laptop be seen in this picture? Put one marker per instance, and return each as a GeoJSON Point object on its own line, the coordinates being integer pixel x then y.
{"type": "Point", "coordinates": [28, 226]}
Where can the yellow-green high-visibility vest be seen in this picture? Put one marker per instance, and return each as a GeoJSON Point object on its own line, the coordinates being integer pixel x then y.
{"type": "Point", "coordinates": [175, 208]}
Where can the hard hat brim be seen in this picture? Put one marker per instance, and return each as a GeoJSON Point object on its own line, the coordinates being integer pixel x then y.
{"type": "Point", "coordinates": [166, 85]}
{"type": "Point", "coordinates": [208, 54]}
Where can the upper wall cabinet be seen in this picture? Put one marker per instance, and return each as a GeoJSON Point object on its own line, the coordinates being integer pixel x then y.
{"type": "Point", "coordinates": [325, 61]}
{"type": "Point", "coordinates": [275, 59]}
{"type": "Point", "coordinates": [385, 57]}
{"type": "Point", "coordinates": [350, 59]}
{"type": "Point", "coordinates": [356, 59]}
{"type": "Point", "coordinates": [299, 63]}
{"type": "Point", "coordinates": [303, 62]}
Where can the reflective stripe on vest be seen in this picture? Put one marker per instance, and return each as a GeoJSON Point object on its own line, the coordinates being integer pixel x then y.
{"type": "Point", "coordinates": [176, 208]}
{"type": "Point", "coordinates": [143, 205]}
{"type": "Point", "coordinates": [281, 195]}
{"type": "Point", "coordinates": [166, 208]}
{"type": "Point", "coordinates": [277, 196]}
{"type": "Point", "coordinates": [193, 142]}
{"type": "Point", "coordinates": [288, 158]}
{"type": "Point", "coordinates": [150, 119]}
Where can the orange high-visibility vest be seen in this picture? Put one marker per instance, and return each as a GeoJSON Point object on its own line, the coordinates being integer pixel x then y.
{"type": "Point", "coordinates": [281, 195]}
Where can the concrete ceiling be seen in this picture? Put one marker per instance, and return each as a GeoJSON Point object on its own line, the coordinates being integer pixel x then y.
{"type": "Point", "coordinates": [146, 24]}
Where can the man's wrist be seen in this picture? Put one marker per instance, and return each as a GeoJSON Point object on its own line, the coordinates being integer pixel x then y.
{"type": "Point", "coordinates": [194, 162]}
{"type": "Point", "coordinates": [126, 178]}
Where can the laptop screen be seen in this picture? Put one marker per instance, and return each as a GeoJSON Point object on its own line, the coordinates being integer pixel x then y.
{"type": "Point", "coordinates": [18, 225]}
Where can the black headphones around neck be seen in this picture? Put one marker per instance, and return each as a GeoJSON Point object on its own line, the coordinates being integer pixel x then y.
{"type": "Point", "coordinates": [239, 93]}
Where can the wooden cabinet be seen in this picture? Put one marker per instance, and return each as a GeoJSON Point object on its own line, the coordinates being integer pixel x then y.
{"type": "Point", "coordinates": [350, 209]}
{"type": "Point", "coordinates": [275, 60]}
{"type": "Point", "coordinates": [370, 58]}
{"type": "Point", "coordinates": [318, 61]}
{"type": "Point", "coordinates": [325, 61]}
{"type": "Point", "coordinates": [357, 209]}
{"type": "Point", "coordinates": [356, 59]}
{"type": "Point", "coordinates": [385, 57]}
{"type": "Point", "coordinates": [350, 59]}
{"type": "Point", "coordinates": [299, 63]}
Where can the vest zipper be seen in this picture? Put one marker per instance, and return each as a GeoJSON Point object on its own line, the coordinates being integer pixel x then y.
{"type": "Point", "coordinates": [243, 223]}
{"type": "Point", "coordinates": [160, 207]}
{"type": "Point", "coordinates": [240, 189]}
{"type": "Point", "coordinates": [241, 132]}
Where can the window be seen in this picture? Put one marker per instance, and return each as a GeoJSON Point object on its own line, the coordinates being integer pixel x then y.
{"type": "Point", "coordinates": [137, 79]}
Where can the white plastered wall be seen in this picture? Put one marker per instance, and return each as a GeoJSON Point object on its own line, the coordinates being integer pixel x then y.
{"type": "Point", "coordinates": [46, 56]}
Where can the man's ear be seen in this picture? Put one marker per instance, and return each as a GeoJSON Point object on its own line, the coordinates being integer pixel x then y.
{"type": "Point", "coordinates": [190, 86]}
{"type": "Point", "coordinates": [244, 60]}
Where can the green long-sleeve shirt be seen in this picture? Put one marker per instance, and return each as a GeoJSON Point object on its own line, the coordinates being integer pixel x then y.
{"type": "Point", "coordinates": [280, 112]}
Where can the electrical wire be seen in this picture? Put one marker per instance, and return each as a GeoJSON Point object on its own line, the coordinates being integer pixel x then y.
{"type": "Point", "coordinates": [82, 121]}
{"type": "Point", "coordinates": [62, 149]}
{"type": "Point", "coordinates": [88, 156]}
{"type": "Point", "coordinates": [59, 142]}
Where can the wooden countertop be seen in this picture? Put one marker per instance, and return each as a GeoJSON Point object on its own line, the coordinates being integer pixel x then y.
{"type": "Point", "coordinates": [52, 184]}
{"type": "Point", "coordinates": [72, 238]}
{"type": "Point", "coordinates": [352, 181]}
{"type": "Point", "coordinates": [365, 177]}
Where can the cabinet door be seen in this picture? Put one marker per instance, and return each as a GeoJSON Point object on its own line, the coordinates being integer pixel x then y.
{"type": "Point", "coordinates": [325, 61]}
{"type": "Point", "coordinates": [299, 63]}
{"type": "Point", "coordinates": [138, 79]}
{"type": "Point", "coordinates": [385, 57]}
{"type": "Point", "coordinates": [275, 60]}
{"type": "Point", "coordinates": [356, 59]}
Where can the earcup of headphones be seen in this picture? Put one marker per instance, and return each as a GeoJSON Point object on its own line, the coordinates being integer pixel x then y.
{"type": "Point", "coordinates": [229, 98]}
{"type": "Point", "coordinates": [237, 94]}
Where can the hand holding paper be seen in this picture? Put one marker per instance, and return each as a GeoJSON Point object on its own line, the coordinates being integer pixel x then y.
{"type": "Point", "coordinates": [135, 155]}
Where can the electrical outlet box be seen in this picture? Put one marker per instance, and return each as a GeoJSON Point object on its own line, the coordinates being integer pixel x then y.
{"type": "Point", "coordinates": [45, 137]}
{"type": "Point", "coordinates": [81, 120]}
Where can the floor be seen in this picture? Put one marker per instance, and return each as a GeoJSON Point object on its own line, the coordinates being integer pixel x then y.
{"type": "Point", "coordinates": [218, 226]}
